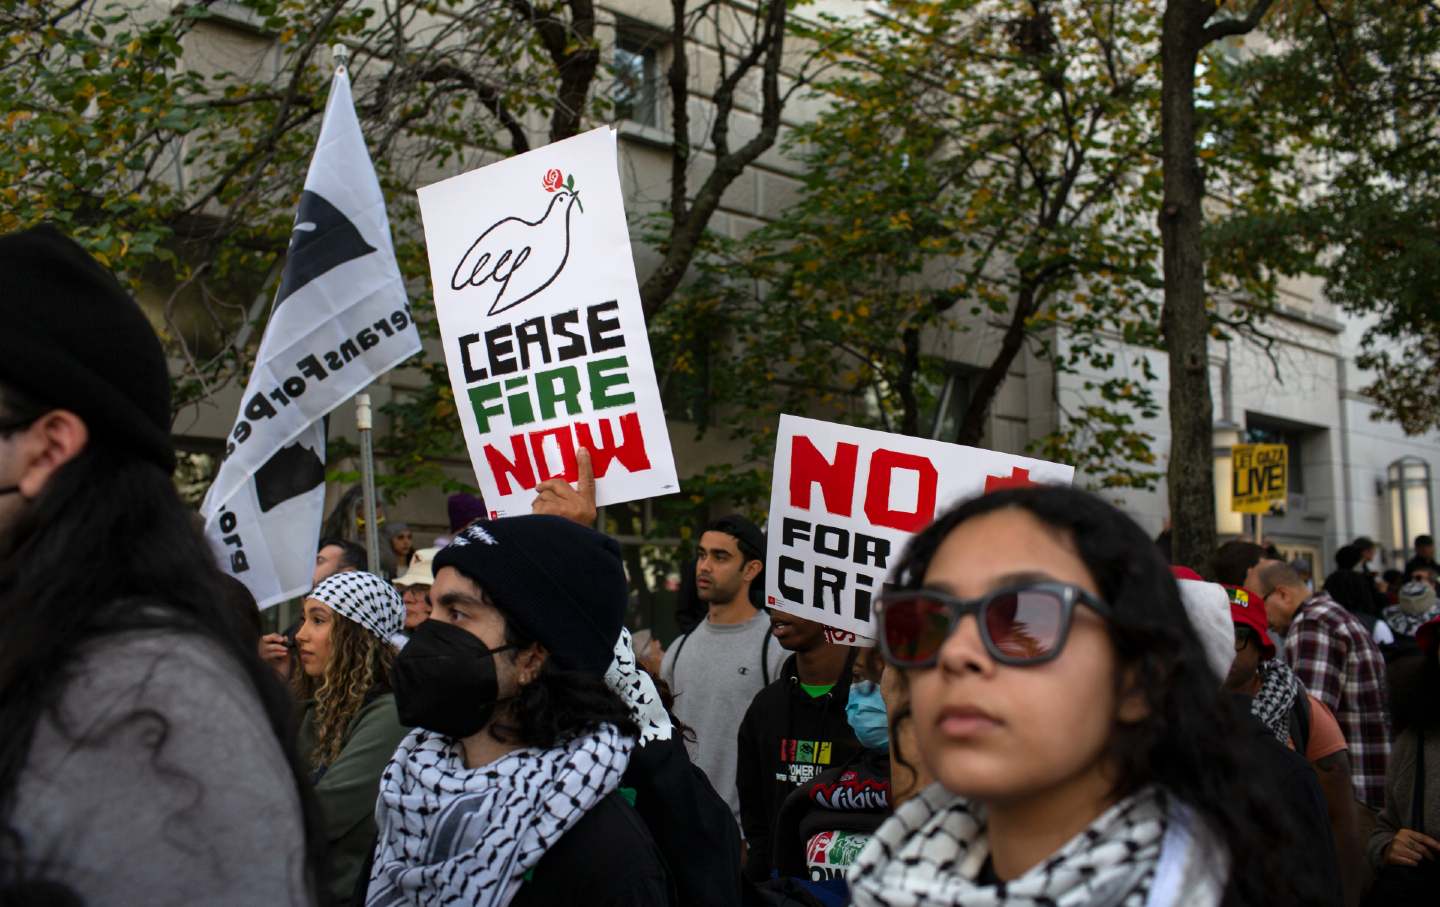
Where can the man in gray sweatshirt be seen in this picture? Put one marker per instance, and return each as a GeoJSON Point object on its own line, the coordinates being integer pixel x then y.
{"type": "Point", "coordinates": [716, 669]}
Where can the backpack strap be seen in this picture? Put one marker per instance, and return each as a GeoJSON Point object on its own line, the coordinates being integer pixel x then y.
{"type": "Point", "coordinates": [1299, 722]}
{"type": "Point", "coordinates": [675, 662]}
{"type": "Point", "coordinates": [1417, 802]}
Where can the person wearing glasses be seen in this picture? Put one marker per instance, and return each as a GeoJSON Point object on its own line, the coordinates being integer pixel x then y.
{"type": "Point", "coordinates": [1082, 751]}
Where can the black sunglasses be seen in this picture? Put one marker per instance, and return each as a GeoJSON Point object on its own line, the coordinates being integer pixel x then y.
{"type": "Point", "coordinates": [1019, 625]}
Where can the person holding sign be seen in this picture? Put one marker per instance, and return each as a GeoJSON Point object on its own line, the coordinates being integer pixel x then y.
{"type": "Point", "coordinates": [507, 791]}
{"type": "Point", "coordinates": [1064, 704]}
{"type": "Point", "coordinates": [716, 669]}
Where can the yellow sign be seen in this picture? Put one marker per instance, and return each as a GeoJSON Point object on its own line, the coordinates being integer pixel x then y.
{"type": "Point", "coordinates": [1260, 477]}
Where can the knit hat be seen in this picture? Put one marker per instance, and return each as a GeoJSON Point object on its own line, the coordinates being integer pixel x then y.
{"type": "Point", "coordinates": [1205, 605]}
{"type": "Point", "coordinates": [1248, 610]}
{"type": "Point", "coordinates": [561, 583]}
{"type": "Point", "coordinates": [1416, 597]}
{"type": "Point", "coordinates": [74, 339]}
{"type": "Point", "coordinates": [464, 509]}
{"type": "Point", "coordinates": [367, 600]}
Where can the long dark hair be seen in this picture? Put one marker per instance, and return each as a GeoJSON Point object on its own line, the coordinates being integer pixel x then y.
{"type": "Point", "coordinates": [1192, 744]}
{"type": "Point", "coordinates": [559, 705]}
{"type": "Point", "coordinates": [109, 546]}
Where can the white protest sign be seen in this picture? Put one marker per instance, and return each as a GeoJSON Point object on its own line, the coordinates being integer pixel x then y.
{"type": "Point", "coordinates": [845, 501]}
{"type": "Point", "coordinates": [543, 330]}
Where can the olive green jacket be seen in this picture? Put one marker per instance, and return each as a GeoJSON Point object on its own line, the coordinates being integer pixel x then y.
{"type": "Point", "coordinates": [347, 788]}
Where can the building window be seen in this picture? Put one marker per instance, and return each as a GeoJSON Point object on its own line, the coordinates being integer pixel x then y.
{"type": "Point", "coordinates": [636, 90]}
{"type": "Point", "coordinates": [1407, 481]}
{"type": "Point", "coordinates": [951, 403]}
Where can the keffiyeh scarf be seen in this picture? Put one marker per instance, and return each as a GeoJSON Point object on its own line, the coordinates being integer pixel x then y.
{"type": "Point", "coordinates": [1404, 624]}
{"type": "Point", "coordinates": [367, 600]}
{"type": "Point", "coordinates": [637, 689]}
{"type": "Point", "coordinates": [932, 849]}
{"type": "Point", "coordinates": [454, 835]}
{"type": "Point", "coordinates": [1278, 688]}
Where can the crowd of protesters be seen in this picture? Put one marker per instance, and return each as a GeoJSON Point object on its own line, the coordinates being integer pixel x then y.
{"type": "Point", "coordinates": [1052, 713]}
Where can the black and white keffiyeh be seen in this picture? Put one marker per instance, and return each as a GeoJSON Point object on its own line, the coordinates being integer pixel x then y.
{"type": "Point", "coordinates": [638, 690]}
{"type": "Point", "coordinates": [367, 600]}
{"type": "Point", "coordinates": [1406, 624]}
{"type": "Point", "coordinates": [453, 835]}
{"type": "Point", "coordinates": [932, 850]}
{"type": "Point", "coordinates": [1278, 688]}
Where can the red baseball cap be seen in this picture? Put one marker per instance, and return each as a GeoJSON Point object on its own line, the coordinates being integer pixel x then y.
{"type": "Point", "coordinates": [1428, 636]}
{"type": "Point", "coordinates": [1248, 610]}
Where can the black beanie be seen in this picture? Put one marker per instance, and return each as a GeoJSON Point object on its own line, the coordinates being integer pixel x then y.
{"type": "Point", "coordinates": [559, 582]}
{"type": "Point", "coordinates": [74, 339]}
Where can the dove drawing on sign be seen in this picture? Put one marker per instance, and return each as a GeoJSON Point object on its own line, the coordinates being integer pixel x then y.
{"type": "Point", "coordinates": [518, 258]}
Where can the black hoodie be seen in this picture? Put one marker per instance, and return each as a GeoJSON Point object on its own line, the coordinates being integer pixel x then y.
{"type": "Point", "coordinates": [787, 739]}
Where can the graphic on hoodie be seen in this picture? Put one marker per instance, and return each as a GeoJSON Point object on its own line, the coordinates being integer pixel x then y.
{"type": "Point", "coordinates": [829, 854]}
{"type": "Point", "coordinates": [852, 792]}
{"type": "Point", "coordinates": [803, 760]}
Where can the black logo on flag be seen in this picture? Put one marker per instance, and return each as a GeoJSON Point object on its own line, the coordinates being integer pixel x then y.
{"type": "Point", "coordinates": [324, 238]}
{"type": "Point", "coordinates": [294, 470]}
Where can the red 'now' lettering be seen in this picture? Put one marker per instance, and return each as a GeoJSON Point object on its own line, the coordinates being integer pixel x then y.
{"type": "Point", "coordinates": [527, 466]}
{"type": "Point", "coordinates": [808, 467]}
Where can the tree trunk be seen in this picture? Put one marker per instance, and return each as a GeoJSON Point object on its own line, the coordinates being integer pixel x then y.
{"type": "Point", "coordinates": [1190, 475]}
{"type": "Point", "coordinates": [977, 413]}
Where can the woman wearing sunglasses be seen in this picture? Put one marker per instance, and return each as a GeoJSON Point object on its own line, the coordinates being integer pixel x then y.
{"type": "Point", "coordinates": [1081, 750]}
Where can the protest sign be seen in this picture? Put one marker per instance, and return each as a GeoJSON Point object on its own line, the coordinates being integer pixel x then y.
{"type": "Point", "coordinates": [543, 330]}
{"type": "Point", "coordinates": [845, 501]}
{"type": "Point", "coordinates": [1259, 477]}
{"type": "Point", "coordinates": [340, 319]}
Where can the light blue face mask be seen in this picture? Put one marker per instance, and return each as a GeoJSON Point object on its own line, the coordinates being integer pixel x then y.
{"type": "Point", "coordinates": [865, 710]}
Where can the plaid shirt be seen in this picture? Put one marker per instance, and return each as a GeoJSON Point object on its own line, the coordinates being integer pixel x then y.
{"type": "Point", "coordinates": [1339, 663]}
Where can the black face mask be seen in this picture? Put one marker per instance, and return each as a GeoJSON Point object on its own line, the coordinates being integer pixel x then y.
{"type": "Point", "coordinates": [445, 680]}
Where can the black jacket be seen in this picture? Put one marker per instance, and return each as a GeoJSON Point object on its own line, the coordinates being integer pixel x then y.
{"type": "Point", "coordinates": [849, 800]}
{"type": "Point", "coordinates": [608, 859]}
{"type": "Point", "coordinates": [1297, 790]}
{"type": "Point", "coordinates": [691, 823]}
{"type": "Point", "coordinates": [787, 739]}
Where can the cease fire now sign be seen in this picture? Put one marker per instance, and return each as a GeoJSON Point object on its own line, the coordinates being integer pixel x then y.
{"type": "Point", "coordinates": [1260, 476]}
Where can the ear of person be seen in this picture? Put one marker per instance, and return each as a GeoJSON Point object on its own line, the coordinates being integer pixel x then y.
{"type": "Point", "coordinates": [51, 441]}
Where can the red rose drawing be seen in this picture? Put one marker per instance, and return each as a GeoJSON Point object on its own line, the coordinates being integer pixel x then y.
{"type": "Point", "coordinates": [553, 180]}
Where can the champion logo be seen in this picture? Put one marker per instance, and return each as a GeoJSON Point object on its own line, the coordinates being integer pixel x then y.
{"type": "Point", "coordinates": [742, 670]}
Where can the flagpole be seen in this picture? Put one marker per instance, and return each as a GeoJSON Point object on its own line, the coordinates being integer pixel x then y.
{"type": "Point", "coordinates": [367, 479]}
{"type": "Point", "coordinates": [364, 424]}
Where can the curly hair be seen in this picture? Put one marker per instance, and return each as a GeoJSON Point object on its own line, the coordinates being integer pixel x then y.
{"type": "Point", "coordinates": [360, 664]}
{"type": "Point", "coordinates": [1193, 742]}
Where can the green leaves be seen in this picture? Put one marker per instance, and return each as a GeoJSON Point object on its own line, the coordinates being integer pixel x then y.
{"type": "Point", "coordinates": [957, 182]}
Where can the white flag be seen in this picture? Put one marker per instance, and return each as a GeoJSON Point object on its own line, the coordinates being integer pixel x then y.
{"type": "Point", "coordinates": [340, 319]}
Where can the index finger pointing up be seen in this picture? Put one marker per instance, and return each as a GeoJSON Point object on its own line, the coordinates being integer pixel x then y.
{"type": "Point", "coordinates": [586, 485]}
